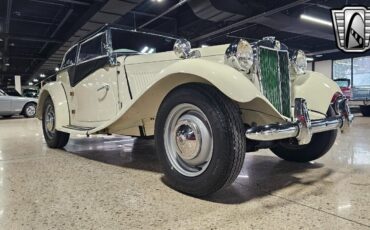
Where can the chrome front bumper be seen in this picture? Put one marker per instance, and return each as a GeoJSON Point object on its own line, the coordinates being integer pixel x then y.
{"type": "Point", "coordinates": [303, 128]}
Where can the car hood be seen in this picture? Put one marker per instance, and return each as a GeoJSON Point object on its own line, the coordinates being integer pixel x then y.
{"type": "Point", "coordinates": [206, 52]}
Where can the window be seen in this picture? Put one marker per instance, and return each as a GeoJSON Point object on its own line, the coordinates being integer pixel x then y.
{"type": "Point", "coordinates": [70, 57]}
{"type": "Point", "coordinates": [361, 71]}
{"type": "Point", "coordinates": [342, 69]}
{"type": "Point", "coordinates": [92, 48]}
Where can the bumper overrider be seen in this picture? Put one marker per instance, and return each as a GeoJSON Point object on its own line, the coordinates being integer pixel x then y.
{"type": "Point", "coordinates": [303, 128]}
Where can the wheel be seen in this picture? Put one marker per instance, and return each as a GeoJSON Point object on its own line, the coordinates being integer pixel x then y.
{"type": "Point", "coordinates": [199, 135]}
{"type": "Point", "coordinates": [53, 137]}
{"type": "Point", "coordinates": [29, 110]}
{"type": "Point", "coordinates": [365, 110]}
{"type": "Point", "coordinates": [7, 116]}
{"type": "Point", "coordinates": [320, 144]}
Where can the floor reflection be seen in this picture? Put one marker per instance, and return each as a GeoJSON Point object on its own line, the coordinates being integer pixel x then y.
{"type": "Point", "coordinates": [260, 175]}
{"type": "Point", "coordinates": [122, 151]}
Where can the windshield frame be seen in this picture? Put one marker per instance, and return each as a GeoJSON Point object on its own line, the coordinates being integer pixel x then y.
{"type": "Point", "coordinates": [109, 37]}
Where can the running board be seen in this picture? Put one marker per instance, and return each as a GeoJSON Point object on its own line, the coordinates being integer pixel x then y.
{"type": "Point", "coordinates": [79, 128]}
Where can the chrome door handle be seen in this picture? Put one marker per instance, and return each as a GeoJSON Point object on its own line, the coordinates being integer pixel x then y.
{"type": "Point", "coordinates": [106, 87]}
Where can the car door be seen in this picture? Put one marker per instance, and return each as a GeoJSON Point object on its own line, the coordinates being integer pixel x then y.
{"type": "Point", "coordinates": [5, 104]}
{"type": "Point", "coordinates": [94, 84]}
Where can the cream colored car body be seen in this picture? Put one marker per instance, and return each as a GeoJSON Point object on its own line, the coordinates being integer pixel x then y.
{"type": "Point", "coordinates": [138, 84]}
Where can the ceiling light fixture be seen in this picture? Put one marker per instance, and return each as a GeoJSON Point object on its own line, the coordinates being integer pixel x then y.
{"type": "Point", "coordinates": [7, 64]}
{"type": "Point", "coordinates": [309, 59]}
{"type": "Point", "coordinates": [42, 75]}
{"type": "Point", "coordinates": [151, 51]}
{"type": "Point", "coordinates": [56, 69]}
{"type": "Point", "coordinates": [316, 20]}
{"type": "Point", "coordinates": [146, 48]}
{"type": "Point", "coordinates": [319, 55]}
{"type": "Point", "coordinates": [30, 83]}
{"type": "Point", "coordinates": [35, 80]}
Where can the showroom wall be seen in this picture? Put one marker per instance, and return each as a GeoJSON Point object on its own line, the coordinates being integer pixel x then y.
{"type": "Point", "coordinates": [324, 67]}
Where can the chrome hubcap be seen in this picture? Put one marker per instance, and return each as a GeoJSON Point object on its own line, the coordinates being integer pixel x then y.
{"type": "Point", "coordinates": [188, 140]}
{"type": "Point", "coordinates": [30, 110]}
{"type": "Point", "coordinates": [50, 121]}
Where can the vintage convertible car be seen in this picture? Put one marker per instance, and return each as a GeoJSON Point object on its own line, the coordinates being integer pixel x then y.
{"type": "Point", "coordinates": [205, 107]}
{"type": "Point", "coordinates": [14, 105]}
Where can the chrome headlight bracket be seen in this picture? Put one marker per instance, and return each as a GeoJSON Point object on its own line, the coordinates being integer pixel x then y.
{"type": "Point", "coordinates": [299, 62]}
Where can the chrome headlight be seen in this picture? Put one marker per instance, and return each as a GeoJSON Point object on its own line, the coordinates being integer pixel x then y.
{"type": "Point", "coordinates": [239, 55]}
{"type": "Point", "coordinates": [299, 62]}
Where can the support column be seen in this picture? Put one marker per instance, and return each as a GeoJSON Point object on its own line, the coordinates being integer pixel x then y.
{"type": "Point", "coordinates": [18, 84]}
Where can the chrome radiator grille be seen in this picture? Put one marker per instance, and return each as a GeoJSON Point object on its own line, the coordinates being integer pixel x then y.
{"type": "Point", "coordinates": [274, 78]}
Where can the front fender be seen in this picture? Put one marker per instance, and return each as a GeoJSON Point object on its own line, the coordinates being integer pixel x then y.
{"type": "Point", "coordinates": [150, 90]}
{"type": "Point", "coordinates": [228, 80]}
{"type": "Point", "coordinates": [317, 89]}
{"type": "Point", "coordinates": [57, 93]}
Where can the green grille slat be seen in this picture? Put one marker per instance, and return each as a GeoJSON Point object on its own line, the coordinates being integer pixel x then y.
{"type": "Point", "coordinates": [284, 82]}
{"type": "Point", "coordinates": [270, 76]}
{"type": "Point", "coordinates": [275, 79]}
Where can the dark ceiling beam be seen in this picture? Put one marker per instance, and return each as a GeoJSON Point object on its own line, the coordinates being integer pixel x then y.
{"type": "Point", "coordinates": [27, 38]}
{"type": "Point", "coordinates": [6, 29]}
{"type": "Point", "coordinates": [29, 21]}
{"type": "Point", "coordinates": [172, 8]}
{"type": "Point", "coordinates": [27, 57]}
{"type": "Point", "coordinates": [7, 17]}
{"type": "Point", "coordinates": [7, 74]}
{"type": "Point", "coordinates": [250, 20]}
{"type": "Point", "coordinates": [150, 15]}
{"type": "Point", "coordinates": [67, 1]}
{"type": "Point", "coordinates": [95, 7]}
{"type": "Point", "coordinates": [65, 18]}
{"type": "Point", "coordinates": [47, 2]}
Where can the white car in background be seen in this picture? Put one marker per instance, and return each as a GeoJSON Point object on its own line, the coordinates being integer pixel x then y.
{"type": "Point", "coordinates": [15, 105]}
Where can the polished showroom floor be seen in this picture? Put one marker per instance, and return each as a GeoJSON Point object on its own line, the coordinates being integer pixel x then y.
{"type": "Point", "coordinates": [116, 183]}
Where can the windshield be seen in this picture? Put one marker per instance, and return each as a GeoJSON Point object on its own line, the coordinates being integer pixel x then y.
{"type": "Point", "coordinates": [124, 41]}
{"type": "Point", "coordinates": [342, 83]}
